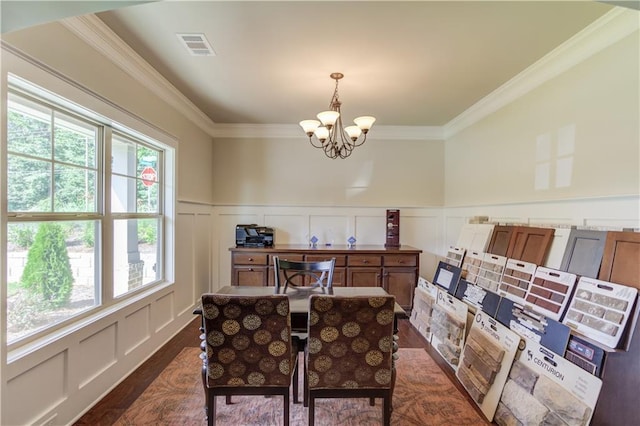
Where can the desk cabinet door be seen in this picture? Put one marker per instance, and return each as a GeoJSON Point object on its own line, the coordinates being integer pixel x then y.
{"type": "Point", "coordinates": [250, 275]}
{"type": "Point", "coordinates": [401, 283]}
{"type": "Point", "coordinates": [364, 277]}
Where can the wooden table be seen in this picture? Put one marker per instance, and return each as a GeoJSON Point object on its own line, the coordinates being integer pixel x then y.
{"type": "Point", "coordinates": [299, 300]}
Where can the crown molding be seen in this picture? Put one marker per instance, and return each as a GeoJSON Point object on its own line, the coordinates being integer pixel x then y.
{"type": "Point", "coordinates": [227, 130]}
{"type": "Point", "coordinates": [98, 35]}
{"type": "Point", "coordinates": [609, 29]}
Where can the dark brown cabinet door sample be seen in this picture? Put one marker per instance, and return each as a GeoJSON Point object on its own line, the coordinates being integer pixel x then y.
{"type": "Point", "coordinates": [621, 258]}
{"type": "Point", "coordinates": [500, 240]}
{"type": "Point", "coordinates": [530, 244]}
{"type": "Point", "coordinates": [583, 253]}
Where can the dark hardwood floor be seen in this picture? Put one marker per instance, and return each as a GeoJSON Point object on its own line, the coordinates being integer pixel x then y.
{"type": "Point", "coordinates": [107, 410]}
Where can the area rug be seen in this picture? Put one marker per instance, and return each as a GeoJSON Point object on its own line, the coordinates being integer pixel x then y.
{"type": "Point", "coordinates": [423, 396]}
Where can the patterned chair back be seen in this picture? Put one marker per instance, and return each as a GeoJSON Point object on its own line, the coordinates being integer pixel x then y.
{"type": "Point", "coordinates": [248, 340]}
{"type": "Point", "coordinates": [350, 342]}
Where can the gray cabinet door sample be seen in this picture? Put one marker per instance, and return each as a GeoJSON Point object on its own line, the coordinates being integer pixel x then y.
{"type": "Point", "coordinates": [583, 254]}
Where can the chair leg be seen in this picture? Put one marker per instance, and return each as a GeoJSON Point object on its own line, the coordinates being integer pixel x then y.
{"type": "Point", "coordinates": [305, 387]}
{"type": "Point", "coordinates": [295, 383]}
{"type": "Point", "coordinates": [312, 409]}
{"type": "Point", "coordinates": [286, 408]}
{"type": "Point", "coordinates": [211, 409]}
{"type": "Point", "coordinates": [386, 410]}
{"type": "Point", "coordinates": [227, 400]}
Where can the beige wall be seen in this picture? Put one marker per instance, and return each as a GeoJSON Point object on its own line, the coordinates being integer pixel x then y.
{"type": "Point", "coordinates": [592, 110]}
{"type": "Point", "coordinates": [76, 60]}
{"type": "Point", "coordinates": [289, 171]}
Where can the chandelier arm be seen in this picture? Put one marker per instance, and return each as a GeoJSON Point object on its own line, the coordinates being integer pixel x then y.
{"type": "Point", "coordinates": [314, 145]}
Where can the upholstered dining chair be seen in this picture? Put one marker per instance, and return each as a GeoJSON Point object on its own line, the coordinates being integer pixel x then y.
{"type": "Point", "coordinates": [247, 349]}
{"type": "Point", "coordinates": [349, 351]}
{"type": "Point", "coordinates": [307, 275]}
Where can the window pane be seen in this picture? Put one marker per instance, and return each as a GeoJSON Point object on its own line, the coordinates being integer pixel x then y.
{"type": "Point", "coordinates": [28, 128]}
{"type": "Point", "coordinates": [28, 185]}
{"type": "Point", "coordinates": [135, 254]}
{"type": "Point", "coordinates": [134, 195]}
{"type": "Point", "coordinates": [51, 274]}
{"type": "Point", "coordinates": [123, 157]}
{"type": "Point", "coordinates": [75, 189]}
{"type": "Point", "coordinates": [75, 141]}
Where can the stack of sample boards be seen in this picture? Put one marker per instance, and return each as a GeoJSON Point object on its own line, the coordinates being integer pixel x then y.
{"type": "Point", "coordinates": [536, 337]}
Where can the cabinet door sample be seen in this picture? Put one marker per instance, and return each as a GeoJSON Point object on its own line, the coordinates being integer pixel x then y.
{"type": "Point", "coordinates": [583, 254]}
{"type": "Point", "coordinates": [530, 244]}
{"type": "Point", "coordinates": [621, 258]}
{"type": "Point", "coordinates": [500, 240]}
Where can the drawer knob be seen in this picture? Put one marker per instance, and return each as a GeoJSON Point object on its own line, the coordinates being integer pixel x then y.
{"type": "Point", "coordinates": [365, 261]}
{"type": "Point", "coordinates": [251, 259]}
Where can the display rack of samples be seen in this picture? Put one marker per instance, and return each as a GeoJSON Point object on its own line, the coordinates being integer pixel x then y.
{"type": "Point", "coordinates": [491, 270]}
{"type": "Point", "coordinates": [550, 291]}
{"type": "Point", "coordinates": [455, 255]}
{"type": "Point", "coordinates": [478, 298]}
{"type": "Point", "coordinates": [543, 388]}
{"type": "Point", "coordinates": [425, 295]}
{"type": "Point", "coordinates": [471, 265]}
{"type": "Point", "coordinates": [448, 327]}
{"type": "Point", "coordinates": [516, 280]}
{"type": "Point", "coordinates": [486, 359]}
{"type": "Point", "coordinates": [599, 310]}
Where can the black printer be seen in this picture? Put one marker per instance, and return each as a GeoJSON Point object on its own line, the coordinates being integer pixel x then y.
{"type": "Point", "coordinates": [254, 236]}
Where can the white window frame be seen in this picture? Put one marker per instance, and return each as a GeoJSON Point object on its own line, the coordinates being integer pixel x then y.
{"type": "Point", "coordinates": [68, 97]}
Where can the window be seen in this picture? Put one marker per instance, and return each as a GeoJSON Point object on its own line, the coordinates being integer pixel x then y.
{"type": "Point", "coordinates": [135, 203]}
{"type": "Point", "coordinates": [63, 198]}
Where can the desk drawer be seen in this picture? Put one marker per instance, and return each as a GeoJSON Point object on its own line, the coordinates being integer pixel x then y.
{"type": "Point", "coordinates": [399, 260]}
{"type": "Point", "coordinates": [291, 257]}
{"type": "Point", "coordinates": [249, 258]}
{"type": "Point", "coordinates": [340, 260]}
{"type": "Point", "coordinates": [364, 260]}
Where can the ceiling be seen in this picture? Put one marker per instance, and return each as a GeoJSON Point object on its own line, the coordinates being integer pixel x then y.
{"type": "Point", "coordinates": [417, 63]}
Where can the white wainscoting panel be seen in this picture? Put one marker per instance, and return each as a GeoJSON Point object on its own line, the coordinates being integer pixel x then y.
{"type": "Point", "coordinates": [203, 248]}
{"type": "Point", "coordinates": [138, 329]}
{"type": "Point", "coordinates": [453, 228]}
{"type": "Point", "coordinates": [329, 229]}
{"type": "Point", "coordinates": [162, 311]}
{"type": "Point", "coordinates": [288, 228]}
{"type": "Point", "coordinates": [371, 229]}
{"type": "Point", "coordinates": [45, 385]}
{"type": "Point", "coordinates": [95, 354]}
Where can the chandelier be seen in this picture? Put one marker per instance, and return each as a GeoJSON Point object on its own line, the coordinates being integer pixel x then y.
{"type": "Point", "coordinates": [335, 140]}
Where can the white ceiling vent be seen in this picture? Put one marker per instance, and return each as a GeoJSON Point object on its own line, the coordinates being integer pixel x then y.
{"type": "Point", "coordinates": [196, 44]}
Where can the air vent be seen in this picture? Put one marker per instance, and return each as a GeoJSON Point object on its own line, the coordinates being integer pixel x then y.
{"type": "Point", "coordinates": [196, 44]}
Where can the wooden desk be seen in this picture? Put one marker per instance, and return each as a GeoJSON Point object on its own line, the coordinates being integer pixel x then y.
{"type": "Point", "coordinates": [393, 269]}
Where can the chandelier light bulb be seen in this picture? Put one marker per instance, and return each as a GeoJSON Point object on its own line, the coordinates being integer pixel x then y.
{"type": "Point", "coordinates": [335, 140]}
{"type": "Point", "coordinates": [328, 118]}
{"type": "Point", "coordinates": [364, 122]}
{"type": "Point", "coordinates": [354, 132]}
{"type": "Point", "coordinates": [322, 133]}
{"type": "Point", "coordinates": [309, 126]}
